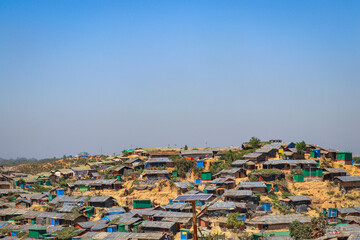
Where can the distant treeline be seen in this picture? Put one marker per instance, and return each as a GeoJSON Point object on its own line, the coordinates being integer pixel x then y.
{"type": "Point", "coordinates": [19, 161]}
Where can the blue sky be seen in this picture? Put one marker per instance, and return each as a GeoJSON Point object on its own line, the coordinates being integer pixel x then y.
{"type": "Point", "coordinates": [81, 75]}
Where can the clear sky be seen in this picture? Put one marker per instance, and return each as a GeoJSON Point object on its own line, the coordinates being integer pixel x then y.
{"type": "Point", "coordinates": [85, 75]}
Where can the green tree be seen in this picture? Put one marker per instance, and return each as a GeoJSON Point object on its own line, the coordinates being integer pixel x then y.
{"type": "Point", "coordinates": [300, 231]}
{"type": "Point", "coordinates": [234, 220]}
{"type": "Point", "coordinates": [300, 147]}
{"type": "Point", "coordinates": [186, 147]}
{"type": "Point", "coordinates": [231, 156]}
{"type": "Point", "coordinates": [216, 167]}
{"type": "Point", "coordinates": [21, 181]}
{"type": "Point", "coordinates": [255, 142]}
{"type": "Point", "coordinates": [182, 165]}
{"type": "Point", "coordinates": [318, 224]}
{"type": "Point", "coordinates": [125, 153]}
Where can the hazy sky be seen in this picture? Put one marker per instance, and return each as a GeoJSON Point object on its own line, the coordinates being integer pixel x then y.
{"type": "Point", "coordinates": [81, 75]}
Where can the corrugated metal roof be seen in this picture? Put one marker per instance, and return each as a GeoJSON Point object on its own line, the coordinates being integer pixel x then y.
{"type": "Point", "coordinates": [90, 224]}
{"type": "Point", "coordinates": [193, 197]}
{"type": "Point", "coordinates": [263, 150]}
{"type": "Point", "coordinates": [177, 206]}
{"type": "Point", "coordinates": [279, 219]}
{"type": "Point", "coordinates": [115, 210]}
{"type": "Point", "coordinates": [159, 160]}
{"type": "Point", "coordinates": [183, 184]}
{"type": "Point", "coordinates": [299, 198]}
{"type": "Point", "coordinates": [172, 214]}
{"type": "Point", "coordinates": [348, 210]}
{"type": "Point", "coordinates": [349, 178]}
{"type": "Point", "coordinates": [156, 172]}
{"type": "Point", "coordinates": [336, 170]}
{"type": "Point", "coordinates": [251, 185]}
{"type": "Point", "coordinates": [303, 161]}
{"type": "Point", "coordinates": [239, 163]}
{"type": "Point", "coordinates": [157, 224]}
{"type": "Point", "coordinates": [253, 155]}
{"type": "Point", "coordinates": [66, 209]}
{"type": "Point", "coordinates": [100, 199]}
{"type": "Point", "coordinates": [95, 182]}
{"type": "Point", "coordinates": [194, 152]}
{"type": "Point", "coordinates": [222, 180]}
{"type": "Point", "coordinates": [237, 193]}
{"type": "Point", "coordinates": [228, 171]}
{"type": "Point", "coordinates": [222, 206]}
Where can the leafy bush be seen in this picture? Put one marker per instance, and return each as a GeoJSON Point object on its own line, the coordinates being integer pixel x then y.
{"type": "Point", "coordinates": [253, 178]}
{"type": "Point", "coordinates": [331, 193]}
{"type": "Point", "coordinates": [234, 221]}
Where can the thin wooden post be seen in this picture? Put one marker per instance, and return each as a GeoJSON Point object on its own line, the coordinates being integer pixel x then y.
{"type": "Point", "coordinates": [194, 220]}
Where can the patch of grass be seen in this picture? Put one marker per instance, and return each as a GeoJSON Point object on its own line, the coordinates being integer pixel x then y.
{"type": "Point", "coordinates": [351, 197]}
{"type": "Point", "coordinates": [67, 233]}
{"type": "Point", "coordinates": [273, 197]}
{"type": "Point", "coordinates": [267, 172]}
{"type": "Point", "coordinates": [331, 193]}
{"type": "Point", "coordinates": [285, 194]}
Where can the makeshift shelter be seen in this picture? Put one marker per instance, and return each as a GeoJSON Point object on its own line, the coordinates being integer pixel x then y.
{"type": "Point", "coordinates": [233, 173]}
{"type": "Point", "coordinates": [102, 201]}
{"type": "Point", "coordinates": [224, 183]}
{"type": "Point", "coordinates": [349, 211]}
{"type": "Point", "coordinates": [5, 185]}
{"type": "Point", "coordinates": [183, 186]}
{"type": "Point", "coordinates": [268, 174]}
{"type": "Point", "coordinates": [348, 182]}
{"type": "Point", "coordinates": [197, 154]}
{"type": "Point", "coordinates": [290, 164]}
{"type": "Point", "coordinates": [256, 157]}
{"type": "Point", "coordinates": [159, 226]}
{"type": "Point", "coordinates": [253, 186]}
{"type": "Point", "coordinates": [244, 164]}
{"type": "Point", "coordinates": [123, 170]}
{"type": "Point", "coordinates": [178, 207]}
{"type": "Point", "coordinates": [274, 222]}
{"type": "Point", "coordinates": [298, 203]}
{"type": "Point", "coordinates": [331, 173]}
{"type": "Point", "coordinates": [159, 163]}
{"type": "Point", "coordinates": [132, 162]}
{"type": "Point", "coordinates": [238, 195]}
{"type": "Point", "coordinates": [85, 185]}
{"type": "Point", "coordinates": [156, 174]}
{"type": "Point", "coordinates": [344, 158]}
{"type": "Point", "coordinates": [224, 208]}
